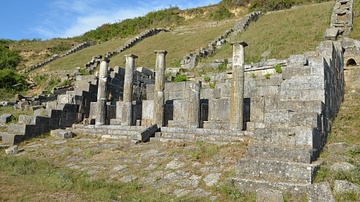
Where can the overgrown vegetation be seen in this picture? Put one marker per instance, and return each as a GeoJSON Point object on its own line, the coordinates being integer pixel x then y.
{"type": "Point", "coordinates": [12, 81]}
{"type": "Point", "coordinates": [134, 26]}
{"type": "Point", "coordinates": [9, 59]}
{"type": "Point", "coordinates": [180, 78]}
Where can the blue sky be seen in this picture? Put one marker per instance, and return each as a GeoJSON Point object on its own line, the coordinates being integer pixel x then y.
{"type": "Point", "coordinates": [47, 19]}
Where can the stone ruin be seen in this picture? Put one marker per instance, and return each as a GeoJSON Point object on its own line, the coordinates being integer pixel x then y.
{"type": "Point", "coordinates": [288, 115]}
{"type": "Point", "coordinates": [341, 20]}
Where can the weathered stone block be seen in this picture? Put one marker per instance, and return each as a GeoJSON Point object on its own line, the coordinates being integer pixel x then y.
{"type": "Point", "coordinates": [269, 195]}
{"type": "Point", "coordinates": [12, 150]}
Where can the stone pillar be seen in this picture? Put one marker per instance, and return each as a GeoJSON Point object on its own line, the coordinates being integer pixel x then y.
{"type": "Point", "coordinates": [237, 87]}
{"type": "Point", "coordinates": [102, 94]}
{"type": "Point", "coordinates": [159, 88]}
{"type": "Point", "coordinates": [194, 105]}
{"type": "Point", "coordinates": [128, 90]}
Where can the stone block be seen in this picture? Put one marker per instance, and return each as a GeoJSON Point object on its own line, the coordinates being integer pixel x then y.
{"type": "Point", "coordinates": [206, 93]}
{"type": "Point", "coordinates": [343, 186]}
{"type": "Point", "coordinates": [275, 170]}
{"type": "Point", "coordinates": [320, 192]}
{"type": "Point", "coordinates": [63, 134]}
{"type": "Point", "coordinates": [180, 110]}
{"type": "Point", "coordinates": [12, 150]}
{"type": "Point", "coordinates": [5, 118]}
{"type": "Point", "coordinates": [331, 33]}
{"type": "Point", "coordinates": [294, 154]}
{"type": "Point", "coordinates": [269, 195]}
{"type": "Point", "coordinates": [219, 109]}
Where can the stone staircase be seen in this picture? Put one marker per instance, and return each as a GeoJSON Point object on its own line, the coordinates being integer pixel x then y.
{"type": "Point", "coordinates": [141, 133]}
{"type": "Point", "coordinates": [282, 155]}
{"type": "Point", "coordinates": [178, 134]}
{"type": "Point", "coordinates": [69, 108]}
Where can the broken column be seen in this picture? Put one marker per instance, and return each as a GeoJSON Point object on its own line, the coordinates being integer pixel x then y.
{"type": "Point", "coordinates": [128, 89]}
{"type": "Point", "coordinates": [237, 87]}
{"type": "Point", "coordinates": [159, 88]}
{"type": "Point", "coordinates": [102, 94]}
{"type": "Point", "coordinates": [194, 105]}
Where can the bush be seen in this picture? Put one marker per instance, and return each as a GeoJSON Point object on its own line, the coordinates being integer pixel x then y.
{"type": "Point", "coordinates": [180, 78]}
{"type": "Point", "coordinates": [278, 69]}
{"type": "Point", "coordinates": [221, 13]}
{"type": "Point", "coordinates": [207, 78]}
{"type": "Point", "coordinates": [8, 58]}
{"type": "Point", "coordinates": [12, 81]}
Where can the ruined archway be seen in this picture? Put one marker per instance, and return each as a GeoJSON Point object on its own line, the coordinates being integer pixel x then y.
{"type": "Point", "coordinates": [351, 62]}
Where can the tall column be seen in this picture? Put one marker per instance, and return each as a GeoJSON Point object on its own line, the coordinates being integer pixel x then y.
{"type": "Point", "coordinates": [237, 87]}
{"type": "Point", "coordinates": [159, 88]}
{"type": "Point", "coordinates": [101, 95]}
{"type": "Point", "coordinates": [128, 89]}
{"type": "Point", "coordinates": [194, 105]}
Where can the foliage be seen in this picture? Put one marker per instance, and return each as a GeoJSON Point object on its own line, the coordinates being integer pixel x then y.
{"type": "Point", "coordinates": [223, 65]}
{"type": "Point", "coordinates": [207, 78]}
{"type": "Point", "coordinates": [12, 81]}
{"type": "Point", "coordinates": [128, 27]}
{"type": "Point", "coordinates": [40, 78]}
{"type": "Point", "coordinates": [180, 78]}
{"type": "Point", "coordinates": [220, 13]}
{"type": "Point", "coordinates": [267, 76]}
{"type": "Point", "coordinates": [212, 84]}
{"type": "Point", "coordinates": [62, 47]}
{"type": "Point", "coordinates": [8, 58]}
{"type": "Point", "coordinates": [278, 69]}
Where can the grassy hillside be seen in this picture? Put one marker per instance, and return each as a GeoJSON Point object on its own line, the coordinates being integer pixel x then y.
{"type": "Point", "coordinates": [284, 33]}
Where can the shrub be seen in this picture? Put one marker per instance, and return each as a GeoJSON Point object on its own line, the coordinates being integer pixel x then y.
{"type": "Point", "coordinates": [180, 78]}
{"type": "Point", "coordinates": [12, 81]}
{"type": "Point", "coordinates": [207, 78]}
{"type": "Point", "coordinates": [223, 65]}
{"type": "Point", "coordinates": [221, 13]}
{"type": "Point", "coordinates": [8, 58]}
{"type": "Point", "coordinates": [267, 76]}
{"type": "Point", "coordinates": [278, 69]}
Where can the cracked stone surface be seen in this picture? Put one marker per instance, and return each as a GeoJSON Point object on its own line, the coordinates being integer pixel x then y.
{"type": "Point", "coordinates": [172, 168]}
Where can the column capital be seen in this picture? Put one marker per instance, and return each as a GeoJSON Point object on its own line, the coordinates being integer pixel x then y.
{"type": "Point", "coordinates": [242, 43]}
{"type": "Point", "coordinates": [131, 56]}
{"type": "Point", "coordinates": [161, 52]}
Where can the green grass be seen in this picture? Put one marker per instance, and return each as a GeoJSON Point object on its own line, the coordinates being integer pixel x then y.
{"type": "Point", "coordinates": [355, 33]}
{"type": "Point", "coordinates": [36, 180]}
{"type": "Point", "coordinates": [283, 33]}
{"type": "Point", "coordinates": [80, 58]}
{"type": "Point", "coordinates": [177, 44]}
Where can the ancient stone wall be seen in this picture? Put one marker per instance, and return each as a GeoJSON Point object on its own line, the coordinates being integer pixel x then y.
{"type": "Point", "coordinates": [56, 56]}
{"type": "Point", "coordinates": [189, 61]}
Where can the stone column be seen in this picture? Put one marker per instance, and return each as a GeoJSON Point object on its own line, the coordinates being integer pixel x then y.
{"type": "Point", "coordinates": [102, 94]}
{"type": "Point", "coordinates": [237, 87]}
{"type": "Point", "coordinates": [194, 105]}
{"type": "Point", "coordinates": [128, 89]}
{"type": "Point", "coordinates": [159, 88]}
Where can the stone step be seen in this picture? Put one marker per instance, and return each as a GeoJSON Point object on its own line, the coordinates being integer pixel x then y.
{"type": "Point", "coordinates": [251, 185]}
{"type": "Point", "coordinates": [205, 131]}
{"type": "Point", "coordinates": [303, 154]}
{"type": "Point", "coordinates": [291, 136]}
{"type": "Point", "coordinates": [263, 169]}
{"type": "Point", "coordinates": [299, 106]}
{"type": "Point", "coordinates": [117, 132]}
{"type": "Point", "coordinates": [108, 127]}
{"type": "Point", "coordinates": [200, 137]}
{"type": "Point", "coordinates": [10, 138]}
{"type": "Point", "coordinates": [289, 118]}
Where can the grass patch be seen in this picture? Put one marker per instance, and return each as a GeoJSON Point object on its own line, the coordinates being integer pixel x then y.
{"type": "Point", "coordinates": [177, 43]}
{"type": "Point", "coordinates": [45, 179]}
{"type": "Point", "coordinates": [295, 31]}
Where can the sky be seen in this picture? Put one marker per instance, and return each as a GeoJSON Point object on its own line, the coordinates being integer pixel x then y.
{"type": "Point", "coordinates": [47, 19]}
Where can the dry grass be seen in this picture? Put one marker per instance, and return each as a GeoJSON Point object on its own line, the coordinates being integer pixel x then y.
{"type": "Point", "coordinates": [284, 33]}
{"type": "Point", "coordinates": [176, 43]}
{"type": "Point", "coordinates": [355, 33]}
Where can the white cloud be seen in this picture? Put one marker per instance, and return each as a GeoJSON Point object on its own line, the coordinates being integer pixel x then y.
{"type": "Point", "coordinates": [68, 18]}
